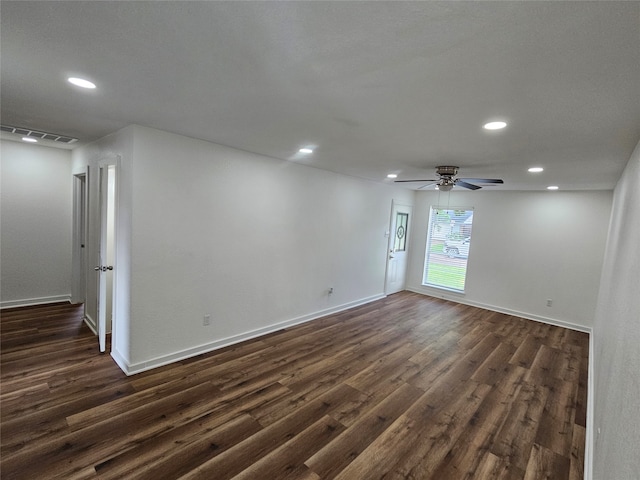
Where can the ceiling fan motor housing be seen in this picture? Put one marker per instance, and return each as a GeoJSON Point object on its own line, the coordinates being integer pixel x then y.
{"type": "Point", "coordinates": [447, 171]}
{"type": "Point", "coordinates": [446, 181]}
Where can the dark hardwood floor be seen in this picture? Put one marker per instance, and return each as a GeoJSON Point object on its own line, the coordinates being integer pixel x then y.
{"type": "Point", "coordinates": [409, 387]}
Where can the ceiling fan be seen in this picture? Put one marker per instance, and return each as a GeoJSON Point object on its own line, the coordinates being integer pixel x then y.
{"type": "Point", "coordinates": [446, 182]}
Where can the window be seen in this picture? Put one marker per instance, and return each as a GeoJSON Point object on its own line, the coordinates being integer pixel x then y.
{"type": "Point", "coordinates": [400, 242]}
{"type": "Point", "coordinates": [448, 242]}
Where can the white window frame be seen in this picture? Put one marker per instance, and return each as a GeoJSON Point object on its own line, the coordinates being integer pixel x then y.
{"type": "Point", "coordinates": [442, 259]}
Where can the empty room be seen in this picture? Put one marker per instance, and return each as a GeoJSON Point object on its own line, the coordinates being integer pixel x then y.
{"type": "Point", "coordinates": [319, 240]}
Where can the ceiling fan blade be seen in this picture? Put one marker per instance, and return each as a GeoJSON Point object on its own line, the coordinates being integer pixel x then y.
{"type": "Point", "coordinates": [460, 183]}
{"type": "Point", "coordinates": [432, 182]}
{"type": "Point", "coordinates": [405, 181]}
{"type": "Point", "coordinates": [482, 180]}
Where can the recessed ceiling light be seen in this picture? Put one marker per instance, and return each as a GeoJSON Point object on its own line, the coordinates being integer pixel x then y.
{"type": "Point", "coordinates": [552, 187]}
{"type": "Point", "coordinates": [81, 82]}
{"type": "Point", "coordinates": [29, 139]}
{"type": "Point", "coordinates": [494, 125]}
{"type": "Point", "coordinates": [392, 175]}
{"type": "Point", "coordinates": [306, 150]}
{"type": "Point", "coordinates": [536, 169]}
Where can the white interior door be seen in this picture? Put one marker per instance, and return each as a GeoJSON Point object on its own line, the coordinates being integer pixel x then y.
{"type": "Point", "coordinates": [102, 268]}
{"type": "Point", "coordinates": [398, 248]}
{"type": "Point", "coordinates": [105, 267]}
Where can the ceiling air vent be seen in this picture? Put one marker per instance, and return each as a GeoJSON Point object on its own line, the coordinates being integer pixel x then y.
{"type": "Point", "coordinates": [25, 132]}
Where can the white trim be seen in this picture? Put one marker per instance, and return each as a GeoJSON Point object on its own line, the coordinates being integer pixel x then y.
{"type": "Point", "coordinates": [120, 361]}
{"type": "Point", "coordinates": [515, 313]}
{"type": "Point", "coordinates": [91, 323]}
{"type": "Point", "coordinates": [132, 369]}
{"type": "Point", "coordinates": [80, 237]}
{"type": "Point", "coordinates": [589, 431]}
{"type": "Point", "coordinates": [29, 302]}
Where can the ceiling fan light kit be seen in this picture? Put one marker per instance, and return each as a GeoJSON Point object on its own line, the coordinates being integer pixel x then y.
{"type": "Point", "coordinates": [446, 182]}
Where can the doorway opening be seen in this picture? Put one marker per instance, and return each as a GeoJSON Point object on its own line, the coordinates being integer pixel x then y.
{"type": "Point", "coordinates": [80, 209]}
{"type": "Point", "coordinates": [95, 213]}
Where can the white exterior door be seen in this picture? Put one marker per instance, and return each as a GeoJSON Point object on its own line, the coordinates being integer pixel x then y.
{"type": "Point", "coordinates": [398, 247]}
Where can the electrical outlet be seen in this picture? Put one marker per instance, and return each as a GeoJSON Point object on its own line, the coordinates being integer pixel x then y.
{"type": "Point", "coordinates": [206, 320]}
{"type": "Point", "coordinates": [549, 302]}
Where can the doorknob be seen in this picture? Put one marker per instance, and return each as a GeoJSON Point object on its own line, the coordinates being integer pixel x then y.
{"type": "Point", "coordinates": [103, 268]}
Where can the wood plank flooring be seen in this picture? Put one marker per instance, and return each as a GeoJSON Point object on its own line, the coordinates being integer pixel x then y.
{"type": "Point", "coordinates": [408, 387]}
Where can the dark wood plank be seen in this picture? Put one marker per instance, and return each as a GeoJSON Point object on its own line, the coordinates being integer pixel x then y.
{"type": "Point", "coordinates": [556, 425]}
{"type": "Point", "coordinates": [244, 454]}
{"type": "Point", "coordinates": [173, 453]}
{"type": "Point", "coordinates": [408, 387]}
{"type": "Point", "coordinates": [493, 467]}
{"type": "Point", "coordinates": [543, 463]}
{"type": "Point", "coordinates": [287, 461]}
{"type": "Point", "coordinates": [576, 471]}
{"type": "Point", "coordinates": [410, 450]}
{"type": "Point", "coordinates": [332, 459]}
{"type": "Point", "coordinates": [516, 437]}
{"type": "Point", "coordinates": [466, 457]}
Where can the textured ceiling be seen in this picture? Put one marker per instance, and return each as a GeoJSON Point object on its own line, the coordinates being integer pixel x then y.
{"type": "Point", "coordinates": [378, 87]}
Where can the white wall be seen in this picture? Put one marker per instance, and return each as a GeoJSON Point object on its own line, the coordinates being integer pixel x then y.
{"type": "Point", "coordinates": [617, 337]}
{"type": "Point", "coordinates": [248, 239]}
{"type": "Point", "coordinates": [253, 241]}
{"type": "Point", "coordinates": [526, 247]}
{"type": "Point", "coordinates": [36, 210]}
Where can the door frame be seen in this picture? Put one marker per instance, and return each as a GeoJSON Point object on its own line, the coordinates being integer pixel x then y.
{"type": "Point", "coordinates": [80, 236]}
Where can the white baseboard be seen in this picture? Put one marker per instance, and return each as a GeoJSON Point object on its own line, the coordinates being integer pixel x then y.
{"type": "Point", "coordinates": [29, 302]}
{"type": "Point", "coordinates": [507, 311]}
{"type": "Point", "coordinates": [120, 361]}
{"type": "Point", "coordinates": [133, 368]}
{"type": "Point", "coordinates": [91, 323]}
